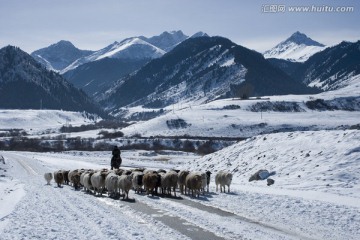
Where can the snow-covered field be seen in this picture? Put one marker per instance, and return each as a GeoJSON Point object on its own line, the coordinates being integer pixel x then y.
{"type": "Point", "coordinates": [245, 119]}
{"type": "Point", "coordinates": [316, 194]}
{"type": "Point", "coordinates": [35, 121]}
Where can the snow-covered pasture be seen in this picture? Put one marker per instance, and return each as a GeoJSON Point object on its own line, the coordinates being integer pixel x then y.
{"type": "Point", "coordinates": [247, 118]}
{"type": "Point", "coordinates": [316, 188]}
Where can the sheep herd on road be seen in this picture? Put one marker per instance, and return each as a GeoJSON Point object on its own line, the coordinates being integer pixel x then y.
{"type": "Point", "coordinates": [118, 182]}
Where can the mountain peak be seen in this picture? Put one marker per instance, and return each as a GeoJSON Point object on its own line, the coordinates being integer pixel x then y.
{"type": "Point", "coordinates": [166, 40]}
{"type": "Point", "coordinates": [59, 55]}
{"type": "Point", "coordinates": [300, 38]}
{"type": "Point", "coordinates": [64, 43]}
{"type": "Point", "coordinates": [297, 48]}
{"type": "Point", "coordinates": [199, 34]}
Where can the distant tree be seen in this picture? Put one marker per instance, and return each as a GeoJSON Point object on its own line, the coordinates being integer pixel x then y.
{"type": "Point", "coordinates": [244, 91]}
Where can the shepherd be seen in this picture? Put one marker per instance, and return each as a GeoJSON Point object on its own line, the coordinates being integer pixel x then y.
{"type": "Point", "coordinates": [116, 159]}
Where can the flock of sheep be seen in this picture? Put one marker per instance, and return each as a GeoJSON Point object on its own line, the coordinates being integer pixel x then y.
{"type": "Point", "coordinates": [119, 181]}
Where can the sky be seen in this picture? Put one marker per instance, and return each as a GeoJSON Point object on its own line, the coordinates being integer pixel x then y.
{"type": "Point", "coordinates": [94, 24]}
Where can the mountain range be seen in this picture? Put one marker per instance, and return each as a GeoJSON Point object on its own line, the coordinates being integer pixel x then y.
{"type": "Point", "coordinates": [64, 56]}
{"type": "Point", "coordinates": [172, 67]}
{"type": "Point", "coordinates": [201, 69]}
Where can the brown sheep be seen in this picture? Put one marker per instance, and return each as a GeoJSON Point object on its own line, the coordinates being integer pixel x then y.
{"type": "Point", "coordinates": [59, 177]}
{"type": "Point", "coordinates": [193, 182]}
{"type": "Point", "coordinates": [150, 181]}
{"type": "Point", "coordinates": [66, 178]}
{"type": "Point", "coordinates": [169, 182]}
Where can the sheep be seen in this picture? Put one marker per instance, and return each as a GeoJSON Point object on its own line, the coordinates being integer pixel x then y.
{"type": "Point", "coordinates": [223, 178]}
{"type": "Point", "coordinates": [181, 180]}
{"type": "Point", "coordinates": [66, 178]}
{"type": "Point", "coordinates": [48, 177]}
{"type": "Point", "coordinates": [161, 171]}
{"type": "Point", "coordinates": [87, 181]}
{"type": "Point", "coordinates": [208, 174]}
{"type": "Point", "coordinates": [111, 183]}
{"type": "Point", "coordinates": [170, 180]}
{"type": "Point", "coordinates": [124, 183]}
{"type": "Point", "coordinates": [160, 183]}
{"type": "Point", "coordinates": [59, 177]}
{"type": "Point", "coordinates": [74, 177]}
{"type": "Point", "coordinates": [137, 181]}
{"type": "Point", "coordinates": [82, 177]}
{"type": "Point", "coordinates": [193, 182]}
{"type": "Point", "coordinates": [69, 175]}
{"type": "Point", "coordinates": [98, 181]}
{"type": "Point", "coordinates": [151, 181]}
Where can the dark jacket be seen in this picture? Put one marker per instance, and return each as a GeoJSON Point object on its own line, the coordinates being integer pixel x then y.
{"type": "Point", "coordinates": [116, 159]}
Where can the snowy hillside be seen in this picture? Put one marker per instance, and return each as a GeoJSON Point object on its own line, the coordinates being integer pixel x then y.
{"type": "Point", "coordinates": [131, 48]}
{"type": "Point", "coordinates": [246, 118]}
{"type": "Point", "coordinates": [298, 48]}
{"type": "Point", "coordinates": [34, 121]}
{"type": "Point", "coordinates": [333, 68]}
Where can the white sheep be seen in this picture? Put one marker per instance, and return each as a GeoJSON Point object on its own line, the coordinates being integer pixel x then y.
{"type": "Point", "coordinates": [181, 180]}
{"type": "Point", "coordinates": [48, 177]}
{"type": "Point", "coordinates": [98, 181]}
{"type": "Point", "coordinates": [87, 181]}
{"type": "Point", "coordinates": [111, 183]}
{"type": "Point", "coordinates": [124, 183]}
{"type": "Point", "coordinates": [223, 178]}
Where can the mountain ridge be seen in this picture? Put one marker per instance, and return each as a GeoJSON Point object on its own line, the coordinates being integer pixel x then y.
{"type": "Point", "coordinates": [26, 84]}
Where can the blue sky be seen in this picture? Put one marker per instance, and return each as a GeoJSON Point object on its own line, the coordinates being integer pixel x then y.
{"type": "Point", "coordinates": [94, 24]}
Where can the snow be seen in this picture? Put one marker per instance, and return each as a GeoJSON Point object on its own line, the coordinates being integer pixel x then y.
{"type": "Point", "coordinates": [315, 195]}
{"type": "Point", "coordinates": [126, 44]}
{"type": "Point", "coordinates": [228, 63]}
{"type": "Point", "coordinates": [293, 52]}
{"type": "Point", "coordinates": [212, 119]}
{"type": "Point", "coordinates": [41, 120]}
{"type": "Point", "coordinates": [316, 188]}
{"type": "Point", "coordinates": [131, 48]}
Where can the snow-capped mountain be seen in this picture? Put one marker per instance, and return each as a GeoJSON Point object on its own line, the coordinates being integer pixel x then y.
{"type": "Point", "coordinates": [59, 55]}
{"type": "Point", "coordinates": [95, 72]}
{"type": "Point", "coordinates": [132, 48]}
{"type": "Point", "coordinates": [26, 84]}
{"type": "Point", "coordinates": [201, 69]}
{"type": "Point", "coordinates": [297, 48]}
{"type": "Point", "coordinates": [332, 68]}
{"type": "Point", "coordinates": [167, 40]}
